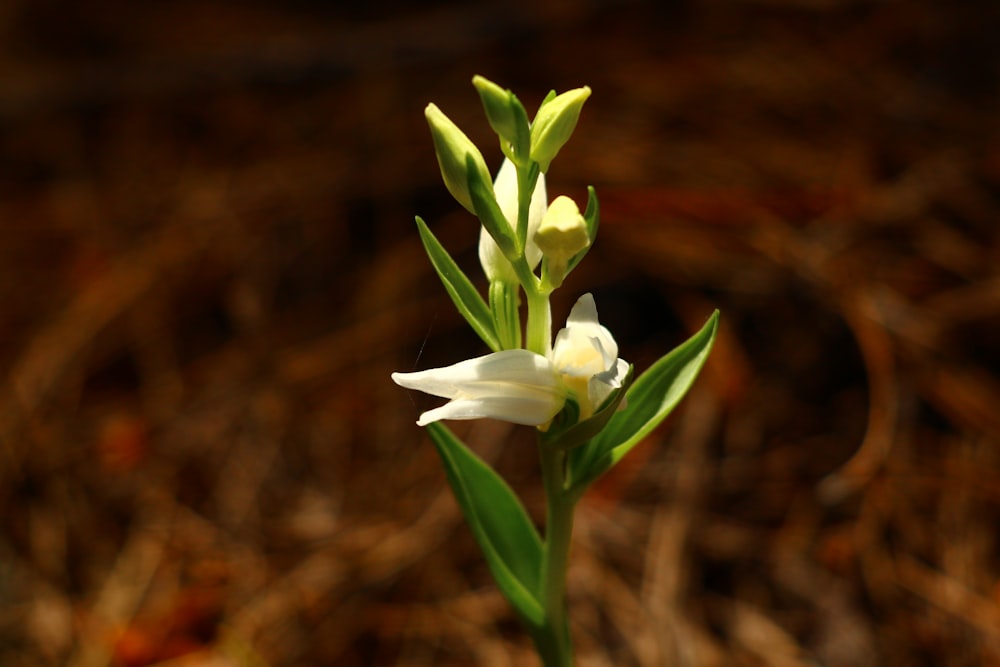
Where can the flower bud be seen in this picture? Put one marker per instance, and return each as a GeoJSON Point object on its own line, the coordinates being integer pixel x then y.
{"type": "Point", "coordinates": [506, 116]}
{"type": "Point", "coordinates": [453, 149]}
{"type": "Point", "coordinates": [561, 235]}
{"type": "Point", "coordinates": [554, 124]}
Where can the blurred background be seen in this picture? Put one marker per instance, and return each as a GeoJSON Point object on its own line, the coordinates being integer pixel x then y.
{"type": "Point", "coordinates": [209, 268]}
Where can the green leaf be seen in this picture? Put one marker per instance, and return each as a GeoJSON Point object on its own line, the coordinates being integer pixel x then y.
{"type": "Point", "coordinates": [508, 539]}
{"type": "Point", "coordinates": [461, 290]}
{"type": "Point", "coordinates": [592, 216]}
{"type": "Point", "coordinates": [485, 206]}
{"type": "Point", "coordinates": [648, 401]}
{"type": "Point", "coordinates": [522, 141]}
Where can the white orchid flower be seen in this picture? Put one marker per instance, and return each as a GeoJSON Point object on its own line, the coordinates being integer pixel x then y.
{"type": "Point", "coordinates": [495, 265]}
{"type": "Point", "coordinates": [518, 386]}
{"type": "Point", "coordinates": [586, 356]}
{"type": "Point", "coordinates": [523, 387]}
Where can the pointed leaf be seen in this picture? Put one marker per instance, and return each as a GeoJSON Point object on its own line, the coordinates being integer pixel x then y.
{"type": "Point", "coordinates": [461, 290]}
{"type": "Point", "coordinates": [522, 142]}
{"type": "Point", "coordinates": [485, 206]}
{"type": "Point", "coordinates": [508, 539]}
{"type": "Point", "coordinates": [648, 401]}
{"type": "Point", "coordinates": [592, 216]}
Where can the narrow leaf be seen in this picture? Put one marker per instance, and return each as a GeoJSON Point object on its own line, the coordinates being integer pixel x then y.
{"type": "Point", "coordinates": [522, 143]}
{"type": "Point", "coordinates": [461, 290]}
{"type": "Point", "coordinates": [592, 216]}
{"type": "Point", "coordinates": [485, 206]}
{"type": "Point", "coordinates": [648, 401]}
{"type": "Point", "coordinates": [508, 539]}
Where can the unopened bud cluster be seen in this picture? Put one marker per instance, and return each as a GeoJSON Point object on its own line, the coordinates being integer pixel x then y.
{"type": "Point", "coordinates": [519, 227]}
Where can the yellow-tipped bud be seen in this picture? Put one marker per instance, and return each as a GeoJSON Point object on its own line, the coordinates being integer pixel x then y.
{"type": "Point", "coordinates": [561, 235]}
{"type": "Point", "coordinates": [554, 124]}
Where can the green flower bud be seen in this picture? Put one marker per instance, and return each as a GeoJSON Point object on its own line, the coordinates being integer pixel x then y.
{"type": "Point", "coordinates": [506, 116]}
{"type": "Point", "coordinates": [554, 123]}
{"type": "Point", "coordinates": [562, 234]}
{"type": "Point", "coordinates": [453, 150]}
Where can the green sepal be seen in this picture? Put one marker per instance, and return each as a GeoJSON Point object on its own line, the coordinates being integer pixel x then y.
{"type": "Point", "coordinates": [502, 528]}
{"type": "Point", "coordinates": [461, 290]}
{"type": "Point", "coordinates": [566, 432]}
{"type": "Point", "coordinates": [648, 401]}
{"type": "Point", "coordinates": [592, 216]}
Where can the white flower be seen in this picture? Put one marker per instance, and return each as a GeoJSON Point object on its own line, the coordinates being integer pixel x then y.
{"type": "Point", "coordinates": [522, 387]}
{"type": "Point", "coordinates": [586, 356]}
{"type": "Point", "coordinates": [517, 386]}
{"type": "Point", "coordinates": [495, 265]}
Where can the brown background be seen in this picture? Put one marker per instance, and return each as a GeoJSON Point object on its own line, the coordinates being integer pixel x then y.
{"type": "Point", "coordinates": [208, 269]}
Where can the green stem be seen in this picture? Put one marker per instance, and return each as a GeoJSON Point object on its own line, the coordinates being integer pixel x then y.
{"type": "Point", "coordinates": [539, 334]}
{"type": "Point", "coordinates": [553, 640]}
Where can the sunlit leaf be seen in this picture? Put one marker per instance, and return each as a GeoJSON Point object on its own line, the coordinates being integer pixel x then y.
{"type": "Point", "coordinates": [461, 290]}
{"type": "Point", "coordinates": [592, 216]}
{"type": "Point", "coordinates": [508, 539]}
{"type": "Point", "coordinates": [648, 401]}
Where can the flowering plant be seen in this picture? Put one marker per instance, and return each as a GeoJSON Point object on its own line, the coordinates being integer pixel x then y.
{"type": "Point", "coordinates": [575, 390]}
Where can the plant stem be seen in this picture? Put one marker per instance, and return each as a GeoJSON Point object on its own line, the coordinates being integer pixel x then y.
{"type": "Point", "coordinates": [553, 641]}
{"type": "Point", "coordinates": [552, 638]}
{"type": "Point", "coordinates": [539, 333]}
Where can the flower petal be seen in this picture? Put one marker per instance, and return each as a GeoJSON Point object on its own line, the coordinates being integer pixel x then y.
{"type": "Point", "coordinates": [583, 319]}
{"type": "Point", "coordinates": [602, 384]}
{"type": "Point", "coordinates": [585, 355]}
{"type": "Point", "coordinates": [530, 410]}
{"type": "Point", "coordinates": [518, 386]}
{"type": "Point", "coordinates": [584, 347]}
{"type": "Point", "coordinates": [495, 265]}
{"type": "Point", "coordinates": [505, 367]}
